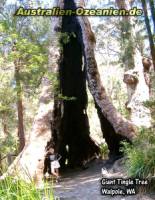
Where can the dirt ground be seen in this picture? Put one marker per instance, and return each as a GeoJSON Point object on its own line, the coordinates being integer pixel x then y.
{"type": "Point", "coordinates": [86, 185]}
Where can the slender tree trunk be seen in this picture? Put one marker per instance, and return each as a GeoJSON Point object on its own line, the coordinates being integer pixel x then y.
{"type": "Point", "coordinates": [147, 22]}
{"type": "Point", "coordinates": [21, 134]}
{"type": "Point", "coordinates": [152, 7]}
{"type": "Point", "coordinates": [127, 42]}
{"type": "Point", "coordinates": [4, 125]}
{"type": "Point", "coordinates": [1, 165]}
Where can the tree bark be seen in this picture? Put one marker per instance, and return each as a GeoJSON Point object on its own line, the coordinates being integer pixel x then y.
{"type": "Point", "coordinates": [107, 126]}
{"type": "Point", "coordinates": [147, 22]}
{"type": "Point", "coordinates": [119, 123]}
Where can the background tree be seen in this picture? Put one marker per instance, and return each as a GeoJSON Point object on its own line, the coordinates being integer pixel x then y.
{"type": "Point", "coordinates": [136, 78]}
{"type": "Point", "coordinates": [25, 49]}
{"type": "Point", "coordinates": [147, 22]}
{"type": "Point", "coordinates": [152, 7]}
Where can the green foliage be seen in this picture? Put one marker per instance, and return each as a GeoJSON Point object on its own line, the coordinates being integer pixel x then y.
{"type": "Point", "coordinates": [23, 48]}
{"type": "Point", "coordinates": [117, 94]}
{"type": "Point", "coordinates": [12, 189]}
{"type": "Point", "coordinates": [151, 105]}
{"type": "Point", "coordinates": [8, 144]}
{"type": "Point", "coordinates": [127, 45]}
{"type": "Point", "coordinates": [65, 37]}
{"type": "Point", "coordinates": [31, 60]}
{"type": "Point", "coordinates": [141, 155]}
{"type": "Point", "coordinates": [54, 78]}
{"type": "Point", "coordinates": [61, 97]}
{"type": "Point", "coordinates": [24, 42]}
{"type": "Point", "coordinates": [104, 150]}
{"type": "Point", "coordinates": [7, 100]}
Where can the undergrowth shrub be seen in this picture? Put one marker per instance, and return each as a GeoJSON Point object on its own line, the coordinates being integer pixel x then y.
{"type": "Point", "coordinates": [104, 151]}
{"type": "Point", "coordinates": [140, 155]}
{"type": "Point", "coordinates": [12, 189]}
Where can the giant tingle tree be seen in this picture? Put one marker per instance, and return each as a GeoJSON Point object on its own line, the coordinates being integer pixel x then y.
{"type": "Point", "coordinates": [62, 119]}
{"type": "Point", "coordinates": [78, 64]}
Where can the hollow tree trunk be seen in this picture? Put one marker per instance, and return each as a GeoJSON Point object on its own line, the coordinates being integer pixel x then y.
{"type": "Point", "coordinates": [75, 144]}
{"type": "Point", "coordinates": [147, 22]}
{"type": "Point", "coordinates": [120, 125]}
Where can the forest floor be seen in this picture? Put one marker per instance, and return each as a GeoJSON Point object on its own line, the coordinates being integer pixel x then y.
{"type": "Point", "coordinates": [86, 185]}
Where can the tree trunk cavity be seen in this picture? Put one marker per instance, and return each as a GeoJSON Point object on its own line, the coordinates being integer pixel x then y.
{"type": "Point", "coordinates": [75, 146]}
